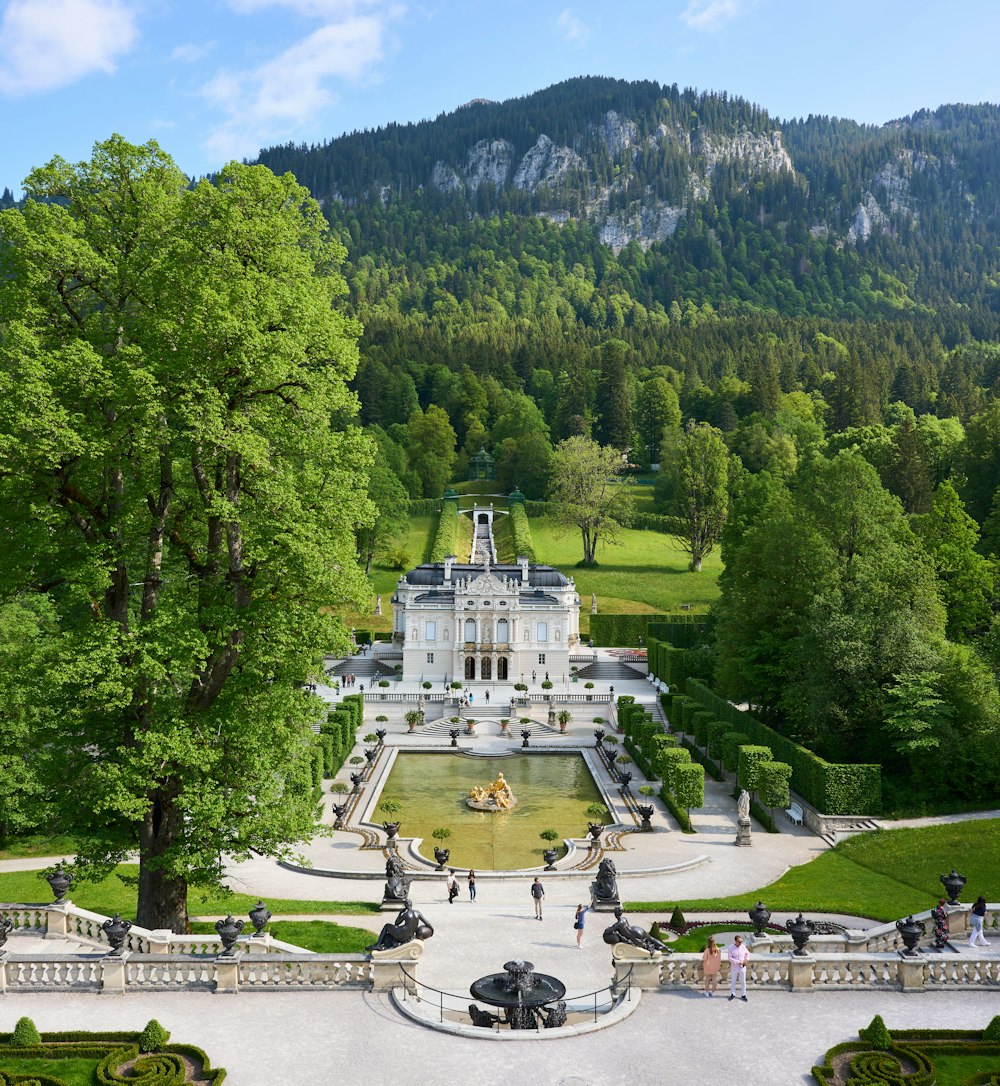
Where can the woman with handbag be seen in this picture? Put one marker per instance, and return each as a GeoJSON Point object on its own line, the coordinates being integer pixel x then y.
{"type": "Point", "coordinates": [578, 923]}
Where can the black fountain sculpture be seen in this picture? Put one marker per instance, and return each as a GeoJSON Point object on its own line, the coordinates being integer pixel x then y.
{"type": "Point", "coordinates": [522, 994]}
{"type": "Point", "coordinates": [910, 931]}
{"type": "Point", "coordinates": [59, 880]}
{"type": "Point", "coordinates": [952, 883]}
{"type": "Point", "coordinates": [759, 915]}
{"type": "Point", "coordinates": [397, 885]}
{"type": "Point", "coordinates": [525, 736]}
{"type": "Point", "coordinates": [646, 814]}
{"type": "Point", "coordinates": [408, 925]}
{"type": "Point", "coordinates": [454, 733]}
{"type": "Point", "coordinates": [801, 930]}
{"type": "Point", "coordinates": [116, 931]}
{"type": "Point", "coordinates": [391, 830]}
{"type": "Point", "coordinates": [621, 931]}
{"type": "Point", "coordinates": [606, 884]}
{"type": "Point", "coordinates": [441, 857]}
{"type": "Point", "coordinates": [6, 927]}
{"type": "Point", "coordinates": [259, 916]}
{"type": "Point", "coordinates": [595, 829]}
{"type": "Point", "coordinates": [339, 810]}
{"type": "Point", "coordinates": [229, 931]}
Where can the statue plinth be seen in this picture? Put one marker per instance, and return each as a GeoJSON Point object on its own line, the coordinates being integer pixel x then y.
{"type": "Point", "coordinates": [743, 832]}
{"type": "Point", "coordinates": [490, 805]}
{"type": "Point", "coordinates": [496, 796]}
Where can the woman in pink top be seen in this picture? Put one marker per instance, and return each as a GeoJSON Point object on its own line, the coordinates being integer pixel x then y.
{"type": "Point", "coordinates": [711, 963]}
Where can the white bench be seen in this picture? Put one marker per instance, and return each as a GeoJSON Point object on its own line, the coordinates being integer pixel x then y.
{"type": "Point", "coordinates": [794, 813]}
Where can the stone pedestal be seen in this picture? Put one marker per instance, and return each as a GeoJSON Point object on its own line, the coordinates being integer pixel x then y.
{"type": "Point", "coordinates": [113, 974]}
{"type": "Point", "coordinates": [392, 904]}
{"type": "Point", "coordinates": [911, 973]}
{"type": "Point", "coordinates": [762, 944]}
{"type": "Point", "coordinates": [743, 832]}
{"type": "Point", "coordinates": [159, 941]}
{"type": "Point", "coordinates": [57, 920]}
{"type": "Point", "coordinates": [800, 972]}
{"type": "Point", "coordinates": [386, 971]}
{"type": "Point", "coordinates": [227, 973]}
{"type": "Point", "coordinates": [645, 966]}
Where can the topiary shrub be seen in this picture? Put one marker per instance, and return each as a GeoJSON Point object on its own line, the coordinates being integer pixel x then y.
{"type": "Point", "coordinates": [877, 1035]}
{"type": "Point", "coordinates": [731, 743]}
{"type": "Point", "coordinates": [992, 1031]}
{"type": "Point", "coordinates": [25, 1033]}
{"type": "Point", "coordinates": [677, 918]}
{"type": "Point", "coordinates": [153, 1037]}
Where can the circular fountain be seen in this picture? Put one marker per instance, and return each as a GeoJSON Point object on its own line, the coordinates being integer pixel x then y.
{"type": "Point", "coordinates": [522, 993]}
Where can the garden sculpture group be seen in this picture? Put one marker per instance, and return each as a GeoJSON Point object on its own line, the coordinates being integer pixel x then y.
{"type": "Point", "coordinates": [494, 797]}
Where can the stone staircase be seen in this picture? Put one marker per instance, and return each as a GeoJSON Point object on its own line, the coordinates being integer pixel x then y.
{"type": "Point", "coordinates": [607, 671]}
{"type": "Point", "coordinates": [860, 825]}
{"type": "Point", "coordinates": [487, 724]}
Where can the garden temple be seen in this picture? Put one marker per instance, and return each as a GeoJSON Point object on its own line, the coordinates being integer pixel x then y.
{"type": "Point", "coordinates": [482, 622]}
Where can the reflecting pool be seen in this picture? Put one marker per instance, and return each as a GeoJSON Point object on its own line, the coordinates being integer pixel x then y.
{"type": "Point", "coordinates": [552, 790]}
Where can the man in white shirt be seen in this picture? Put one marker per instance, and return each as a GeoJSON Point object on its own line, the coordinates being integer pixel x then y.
{"type": "Point", "coordinates": [738, 956]}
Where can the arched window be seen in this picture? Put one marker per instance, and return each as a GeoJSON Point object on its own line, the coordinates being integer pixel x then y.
{"type": "Point", "coordinates": [502, 626]}
{"type": "Point", "coordinates": [470, 629]}
{"type": "Point", "coordinates": [470, 667]}
{"type": "Point", "coordinates": [502, 669]}
{"type": "Point", "coordinates": [486, 668]}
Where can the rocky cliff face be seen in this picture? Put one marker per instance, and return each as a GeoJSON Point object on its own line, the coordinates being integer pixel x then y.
{"type": "Point", "coordinates": [545, 164]}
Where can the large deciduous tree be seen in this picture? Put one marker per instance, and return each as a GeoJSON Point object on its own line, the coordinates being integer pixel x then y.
{"type": "Point", "coordinates": [588, 492]}
{"type": "Point", "coordinates": [693, 488]}
{"type": "Point", "coordinates": [180, 480]}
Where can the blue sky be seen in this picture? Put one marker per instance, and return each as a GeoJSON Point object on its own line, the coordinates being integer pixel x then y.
{"type": "Point", "coordinates": [217, 79]}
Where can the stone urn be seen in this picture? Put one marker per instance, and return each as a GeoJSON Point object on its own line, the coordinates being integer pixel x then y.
{"type": "Point", "coordinates": [441, 856]}
{"type": "Point", "coordinates": [60, 882]}
{"type": "Point", "coordinates": [339, 810]}
{"type": "Point", "coordinates": [525, 737]}
{"type": "Point", "coordinates": [759, 915]}
{"type": "Point", "coordinates": [371, 753]}
{"type": "Point", "coordinates": [625, 778]}
{"type": "Point", "coordinates": [356, 782]}
{"type": "Point", "coordinates": [259, 916]}
{"type": "Point", "coordinates": [454, 733]}
{"type": "Point", "coordinates": [595, 829]}
{"type": "Point", "coordinates": [229, 931]}
{"type": "Point", "coordinates": [116, 930]}
{"type": "Point", "coordinates": [599, 734]}
{"type": "Point", "coordinates": [391, 830]}
{"type": "Point", "coordinates": [380, 734]}
{"type": "Point", "coordinates": [6, 927]}
{"type": "Point", "coordinates": [910, 931]}
{"type": "Point", "coordinates": [953, 883]}
{"type": "Point", "coordinates": [551, 855]}
{"type": "Point", "coordinates": [646, 814]}
{"type": "Point", "coordinates": [801, 931]}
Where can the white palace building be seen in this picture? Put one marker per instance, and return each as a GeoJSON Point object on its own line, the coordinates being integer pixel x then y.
{"type": "Point", "coordinates": [485, 622]}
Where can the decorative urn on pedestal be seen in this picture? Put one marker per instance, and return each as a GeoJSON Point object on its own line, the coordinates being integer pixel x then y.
{"type": "Point", "coordinates": [229, 931]}
{"type": "Point", "coordinates": [759, 915]}
{"type": "Point", "coordinates": [801, 931]}
{"type": "Point", "coordinates": [454, 733]}
{"type": "Point", "coordinates": [595, 829]}
{"type": "Point", "coordinates": [391, 830]}
{"type": "Point", "coordinates": [59, 881]}
{"type": "Point", "coordinates": [551, 855]}
{"type": "Point", "coordinates": [646, 814]}
{"type": "Point", "coordinates": [599, 734]}
{"type": "Point", "coordinates": [441, 856]}
{"type": "Point", "coordinates": [259, 916]}
{"type": "Point", "coordinates": [953, 883]}
{"type": "Point", "coordinates": [116, 930]}
{"type": "Point", "coordinates": [339, 810]}
{"type": "Point", "coordinates": [910, 931]}
{"type": "Point", "coordinates": [380, 734]}
{"type": "Point", "coordinates": [6, 927]}
{"type": "Point", "coordinates": [525, 736]}
{"type": "Point", "coordinates": [625, 779]}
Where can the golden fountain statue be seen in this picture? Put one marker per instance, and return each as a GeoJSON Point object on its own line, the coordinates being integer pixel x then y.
{"type": "Point", "coordinates": [494, 797]}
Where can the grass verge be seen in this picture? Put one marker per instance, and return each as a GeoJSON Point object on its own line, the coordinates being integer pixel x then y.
{"type": "Point", "coordinates": [321, 936]}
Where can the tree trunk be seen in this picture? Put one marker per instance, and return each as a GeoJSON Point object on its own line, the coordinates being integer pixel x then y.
{"type": "Point", "coordinates": [696, 565]}
{"type": "Point", "coordinates": [162, 898]}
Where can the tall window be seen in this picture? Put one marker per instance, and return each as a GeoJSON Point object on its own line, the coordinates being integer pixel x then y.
{"type": "Point", "coordinates": [542, 631]}
{"type": "Point", "coordinates": [470, 629]}
{"type": "Point", "coordinates": [430, 631]}
{"type": "Point", "coordinates": [502, 631]}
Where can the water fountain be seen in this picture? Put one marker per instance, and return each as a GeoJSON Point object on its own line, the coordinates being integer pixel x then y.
{"type": "Point", "coordinates": [522, 994]}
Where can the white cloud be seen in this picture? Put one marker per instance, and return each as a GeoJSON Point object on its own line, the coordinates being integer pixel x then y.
{"type": "Point", "coordinates": [571, 28]}
{"type": "Point", "coordinates": [50, 43]}
{"type": "Point", "coordinates": [709, 15]}
{"type": "Point", "coordinates": [190, 52]}
{"type": "Point", "coordinates": [273, 101]}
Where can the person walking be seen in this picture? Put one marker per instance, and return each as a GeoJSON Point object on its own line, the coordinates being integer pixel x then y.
{"type": "Point", "coordinates": [538, 892]}
{"type": "Point", "coordinates": [976, 918]}
{"type": "Point", "coordinates": [452, 886]}
{"type": "Point", "coordinates": [472, 885]}
{"type": "Point", "coordinates": [487, 696]}
{"type": "Point", "coordinates": [579, 922]}
{"type": "Point", "coordinates": [711, 963]}
{"type": "Point", "coordinates": [738, 957]}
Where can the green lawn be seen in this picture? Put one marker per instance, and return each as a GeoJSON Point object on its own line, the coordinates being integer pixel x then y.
{"type": "Point", "coordinates": [73, 1072]}
{"type": "Point", "coordinates": [322, 936]}
{"type": "Point", "coordinates": [883, 875]}
{"type": "Point", "coordinates": [36, 844]}
{"type": "Point", "coordinates": [111, 895]}
{"type": "Point", "coordinates": [645, 573]}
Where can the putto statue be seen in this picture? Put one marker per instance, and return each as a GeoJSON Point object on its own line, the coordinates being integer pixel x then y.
{"type": "Point", "coordinates": [409, 925]}
{"type": "Point", "coordinates": [621, 931]}
{"type": "Point", "coordinates": [494, 797]}
{"type": "Point", "coordinates": [397, 885]}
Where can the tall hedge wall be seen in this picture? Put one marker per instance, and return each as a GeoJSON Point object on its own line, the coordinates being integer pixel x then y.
{"type": "Point", "coordinates": [620, 631]}
{"type": "Point", "coordinates": [338, 733]}
{"type": "Point", "coordinates": [830, 787]}
{"type": "Point", "coordinates": [521, 531]}
{"type": "Point", "coordinates": [447, 532]}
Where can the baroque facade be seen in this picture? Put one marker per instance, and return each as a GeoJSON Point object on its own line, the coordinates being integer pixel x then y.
{"type": "Point", "coordinates": [486, 623]}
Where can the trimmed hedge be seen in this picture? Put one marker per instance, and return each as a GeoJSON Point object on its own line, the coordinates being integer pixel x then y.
{"type": "Point", "coordinates": [700, 724]}
{"type": "Point", "coordinates": [731, 743]}
{"type": "Point", "coordinates": [830, 787]}
{"type": "Point", "coordinates": [711, 768]}
{"type": "Point", "coordinates": [773, 783]}
{"type": "Point", "coordinates": [669, 759]}
{"type": "Point", "coordinates": [749, 759]}
{"type": "Point", "coordinates": [689, 784]}
{"type": "Point", "coordinates": [620, 631]}
{"type": "Point", "coordinates": [338, 733]}
{"type": "Point", "coordinates": [680, 815]}
{"type": "Point", "coordinates": [423, 507]}
{"type": "Point", "coordinates": [447, 532]}
{"type": "Point", "coordinates": [521, 531]}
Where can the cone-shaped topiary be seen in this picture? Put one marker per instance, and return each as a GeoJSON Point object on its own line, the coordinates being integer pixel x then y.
{"type": "Point", "coordinates": [677, 918]}
{"type": "Point", "coordinates": [26, 1033]}
{"type": "Point", "coordinates": [153, 1037]}
{"type": "Point", "coordinates": [877, 1035]}
{"type": "Point", "coordinates": [992, 1031]}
